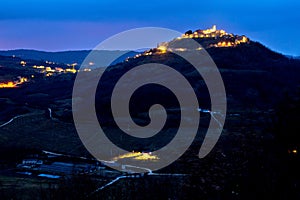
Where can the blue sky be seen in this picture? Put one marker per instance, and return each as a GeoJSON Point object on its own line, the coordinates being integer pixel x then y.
{"type": "Point", "coordinates": [71, 24]}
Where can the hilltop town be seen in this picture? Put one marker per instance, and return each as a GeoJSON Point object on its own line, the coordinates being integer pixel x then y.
{"type": "Point", "coordinates": [228, 39]}
{"type": "Point", "coordinates": [208, 38]}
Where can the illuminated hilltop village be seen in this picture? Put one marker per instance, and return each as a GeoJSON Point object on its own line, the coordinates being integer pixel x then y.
{"type": "Point", "coordinates": [229, 40]}
{"type": "Point", "coordinates": [208, 38]}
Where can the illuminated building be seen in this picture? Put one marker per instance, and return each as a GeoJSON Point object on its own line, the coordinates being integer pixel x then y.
{"type": "Point", "coordinates": [59, 70]}
{"type": "Point", "coordinates": [23, 63]}
{"type": "Point", "coordinates": [71, 70]}
{"type": "Point", "coordinates": [48, 69]}
{"type": "Point", "coordinates": [38, 67]}
{"type": "Point", "coordinates": [162, 49]}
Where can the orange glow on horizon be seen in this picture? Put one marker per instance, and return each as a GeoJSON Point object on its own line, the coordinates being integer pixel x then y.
{"type": "Point", "coordinates": [14, 84]}
{"type": "Point", "coordinates": [9, 84]}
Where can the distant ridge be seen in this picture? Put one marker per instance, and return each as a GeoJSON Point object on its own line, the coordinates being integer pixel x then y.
{"type": "Point", "coordinates": [66, 57]}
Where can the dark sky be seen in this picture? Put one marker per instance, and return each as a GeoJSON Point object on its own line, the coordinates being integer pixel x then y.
{"type": "Point", "coordinates": [56, 25]}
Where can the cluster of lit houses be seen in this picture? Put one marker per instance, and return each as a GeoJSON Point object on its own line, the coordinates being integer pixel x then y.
{"type": "Point", "coordinates": [13, 84]}
{"type": "Point", "coordinates": [49, 71]}
{"type": "Point", "coordinates": [219, 38]}
{"type": "Point", "coordinates": [46, 70]}
{"type": "Point", "coordinates": [228, 40]}
{"type": "Point", "coordinates": [208, 33]}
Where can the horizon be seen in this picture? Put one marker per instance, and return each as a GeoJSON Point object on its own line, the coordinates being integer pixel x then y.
{"type": "Point", "coordinates": [75, 25]}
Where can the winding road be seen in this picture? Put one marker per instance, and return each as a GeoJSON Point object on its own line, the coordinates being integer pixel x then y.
{"type": "Point", "coordinates": [50, 113]}
{"type": "Point", "coordinates": [212, 114]}
{"type": "Point", "coordinates": [130, 176]}
{"type": "Point", "coordinates": [25, 115]}
{"type": "Point", "coordinates": [12, 119]}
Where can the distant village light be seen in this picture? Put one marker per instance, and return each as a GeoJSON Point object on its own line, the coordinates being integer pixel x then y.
{"type": "Point", "coordinates": [295, 151]}
{"type": "Point", "coordinates": [14, 84]}
{"type": "Point", "coordinates": [23, 63]}
{"type": "Point", "coordinates": [71, 70]}
{"type": "Point", "coordinates": [162, 49]}
{"type": "Point", "coordinates": [9, 84]}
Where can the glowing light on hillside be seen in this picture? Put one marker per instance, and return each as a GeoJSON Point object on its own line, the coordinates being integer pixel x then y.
{"type": "Point", "coordinates": [138, 55]}
{"type": "Point", "coordinates": [147, 53]}
{"type": "Point", "coordinates": [59, 69]}
{"type": "Point", "coordinates": [9, 84]}
{"type": "Point", "coordinates": [146, 156]}
{"type": "Point", "coordinates": [242, 39]}
{"type": "Point", "coordinates": [293, 151]}
{"type": "Point", "coordinates": [38, 67]}
{"type": "Point", "coordinates": [49, 62]}
{"type": "Point", "coordinates": [180, 49]}
{"type": "Point", "coordinates": [162, 49]}
{"type": "Point", "coordinates": [71, 70]}
{"type": "Point", "coordinates": [217, 34]}
{"type": "Point", "coordinates": [211, 30]}
{"type": "Point", "coordinates": [14, 84]}
{"type": "Point", "coordinates": [23, 63]}
{"type": "Point", "coordinates": [225, 44]}
{"type": "Point", "coordinates": [238, 40]}
{"type": "Point", "coordinates": [137, 156]}
{"type": "Point", "coordinates": [22, 80]}
{"type": "Point", "coordinates": [48, 69]}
